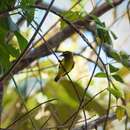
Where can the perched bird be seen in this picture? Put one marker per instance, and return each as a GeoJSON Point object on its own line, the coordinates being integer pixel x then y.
{"type": "Point", "coordinates": [66, 65]}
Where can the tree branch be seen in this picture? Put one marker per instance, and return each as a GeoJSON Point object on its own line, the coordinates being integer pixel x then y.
{"type": "Point", "coordinates": [96, 122]}
{"type": "Point", "coordinates": [92, 124]}
{"type": "Point", "coordinates": [62, 35]}
{"type": "Point", "coordinates": [15, 64]}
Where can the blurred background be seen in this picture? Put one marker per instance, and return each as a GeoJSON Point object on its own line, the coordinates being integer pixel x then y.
{"type": "Point", "coordinates": [33, 100]}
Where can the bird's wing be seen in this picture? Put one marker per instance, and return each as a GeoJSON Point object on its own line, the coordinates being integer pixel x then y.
{"type": "Point", "coordinates": [72, 66]}
{"type": "Point", "coordinates": [61, 71]}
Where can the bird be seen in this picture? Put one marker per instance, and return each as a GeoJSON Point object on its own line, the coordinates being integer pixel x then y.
{"type": "Point", "coordinates": [66, 65]}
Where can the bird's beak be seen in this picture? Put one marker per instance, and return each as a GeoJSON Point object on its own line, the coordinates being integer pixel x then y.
{"type": "Point", "coordinates": [61, 55]}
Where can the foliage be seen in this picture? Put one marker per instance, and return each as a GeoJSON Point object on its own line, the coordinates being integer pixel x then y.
{"type": "Point", "coordinates": [71, 16]}
{"type": "Point", "coordinates": [120, 112]}
{"type": "Point", "coordinates": [31, 97]}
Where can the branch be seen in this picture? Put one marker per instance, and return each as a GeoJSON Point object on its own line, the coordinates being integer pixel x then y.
{"type": "Point", "coordinates": [96, 122]}
{"type": "Point", "coordinates": [15, 64]}
{"type": "Point", "coordinates": [62, 35]}
{"type": "Point", "coordinates": [91, 125]}
{"type": "Point", "coordinates": [45, 5]}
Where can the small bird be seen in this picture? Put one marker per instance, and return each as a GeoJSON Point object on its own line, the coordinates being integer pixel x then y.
{"type": "Point", "coordinates": [66, 65]}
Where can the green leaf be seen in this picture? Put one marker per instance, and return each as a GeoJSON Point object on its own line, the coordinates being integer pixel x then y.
{"type": "Point", "coordinates": [57, 108]}
{"type": "Point", "coordinates": [118, 78]}
{"type": "Point", "coordinates": [4, 58]}
{"type": "Point", "coordinates": [21, 40]}
{"type": "Point", "coordinates": [124, 55]}
{"type": "Point", "coordinates": [60, 93]}
{"type": "Point", "coordinates": [7, 51]}
{"type": "Point", "coordinates": [70, 89]}
{"type": "Point", "coordinates": [4, 29]}
{"type": "Point", "coordinates": [25, 3]}
{"type": "Point", "coordinates": [65, 93]}
{"type": "Point", "coordinates": [102, 26]}
{"type": "Point", "coordinates": [125, 58]}
{"type": "Point", "coordinates": [112, 53]}
{"type": "Point", "coordinates": [28, 12]}
{"type": "Point", "coordinates": [11, 50]}
{"type": "Point", "coordinates": [6, 4]}
{"type": "Point", "coordinates": [6, 25]}
{"type": "Point", "coordinates": [116, 92]}
{"type": "Point", "coordinates": [115, 55]}
{"type": "Point", "coordinates": [71, 16]}
{"type": "Point", "coordinates": [96, 19]}
{"type": "Point", "coordinates": [113, 68]}
{"type": "Point", "coordinates": [103, 33]}
{"type": "Point", "coordinates": [31, 102]}
{"type": "Point", "coordinates": [110, 2]}
{"type": "Point", "coordinates": [120, 112]}
{"type": "Point", "coordinates": [101, 75]}
{"type": "Point", "coordinates": [114, 35]}
{"type": "Point", "coordinates": [64, 101]}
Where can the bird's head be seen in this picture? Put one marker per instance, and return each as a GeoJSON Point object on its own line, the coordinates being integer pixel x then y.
{"type": "Point", "coordinates": [67, 53]}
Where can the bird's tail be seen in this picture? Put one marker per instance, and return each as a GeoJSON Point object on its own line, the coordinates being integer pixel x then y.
{"type": "Point", "coordinates": [57, 78]}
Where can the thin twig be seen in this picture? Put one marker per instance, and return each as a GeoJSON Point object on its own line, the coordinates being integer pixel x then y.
{"type": "Point", "coordinates": [21, 117]}
{"type": "Point", "coordinates": [23, 102]}
{"type": "Point", "coordinates": [30, 42]}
